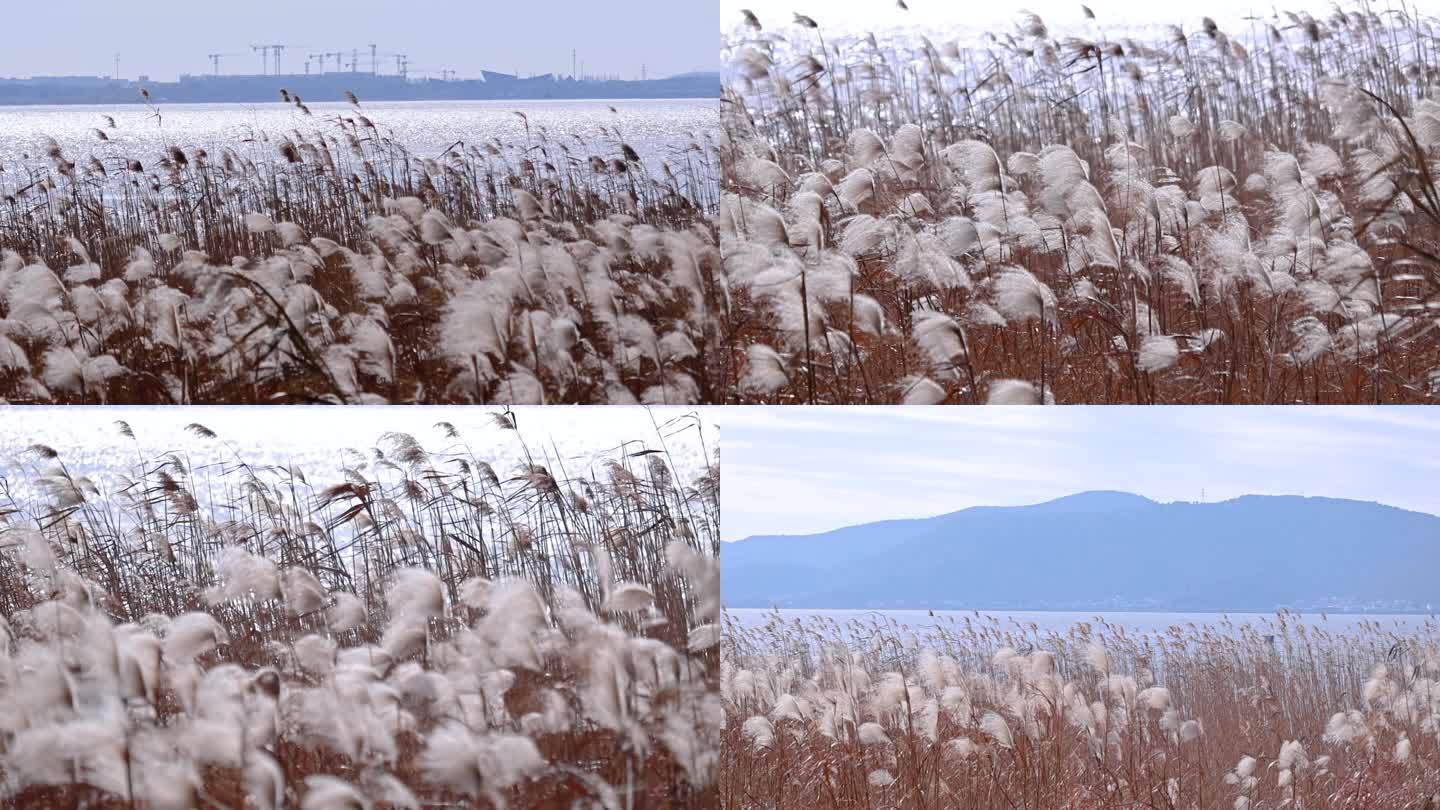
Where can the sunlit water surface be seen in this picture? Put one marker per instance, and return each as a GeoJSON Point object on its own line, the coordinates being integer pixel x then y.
{"type": "Point", "coordinates": [661, 130]}
{"type": "Point", "coordinates": [1036, 625]}
{"type": "Point", "coordinates": [573, 442]}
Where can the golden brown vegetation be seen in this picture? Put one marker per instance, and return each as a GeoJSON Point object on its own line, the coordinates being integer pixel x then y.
{"type": "Point", "coordinates": [1205, 216]}
{"type": "Point", "coordinates": [429, 631]}
{"type": "Point", "coordinates": [340, 267]}
{"type": "Point", "coordinates": [977, 713]}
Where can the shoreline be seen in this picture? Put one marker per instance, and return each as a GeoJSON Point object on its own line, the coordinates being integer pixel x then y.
{"type": "Point", "coordinates": [325, 88]}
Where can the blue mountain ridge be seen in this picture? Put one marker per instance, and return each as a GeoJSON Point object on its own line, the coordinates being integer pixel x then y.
{"type": "Point", "coordinates": [1110, 550]}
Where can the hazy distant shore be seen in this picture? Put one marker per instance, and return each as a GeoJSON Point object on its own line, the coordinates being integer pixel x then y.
{"type": "Point", "coordinates": [334, 86]}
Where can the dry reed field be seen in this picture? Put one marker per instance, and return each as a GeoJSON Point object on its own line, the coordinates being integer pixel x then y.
{"type": "Point", "coordinates": [989, 714]}
{"type": "Point", "coordinates": [428, 630]}
{"type": "Point", "coordinates": [1209, 214]}
{"type": "Point", "coordinates": [331, 264]}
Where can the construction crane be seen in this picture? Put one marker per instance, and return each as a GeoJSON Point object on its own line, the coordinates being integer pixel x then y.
{"type": "Point", "coordinates": [215, 60]}
{"type": "Point", "coordinates": [402, 65]}
{"type": "Point", "coordinates": [374, 60]}
{"type": "Point", "coordinates": [264, 57]}
{"type": "Point", "coordinates": [279, 51]}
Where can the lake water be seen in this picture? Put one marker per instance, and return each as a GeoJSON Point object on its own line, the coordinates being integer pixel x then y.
{"type": "Point", "coordinates": [1037, 624]}
{"type": "Point", "coordinates": [574, 439]}
{"type": "Point", "coordinates": [659, 130]}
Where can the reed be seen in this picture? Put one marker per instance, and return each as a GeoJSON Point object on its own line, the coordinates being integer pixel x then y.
{"type": "Point", "coordinates": [1169, 216]}
{"type": "Point", "coordinates": [333, 264]}
{"type": "Point", "coordinates": [429, 630]}
{"type": "Point", "coordinates": [980, 712]}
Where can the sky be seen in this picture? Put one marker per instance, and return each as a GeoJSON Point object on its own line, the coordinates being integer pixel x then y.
{"type": "Point", "coordinates": [164, 38]}
{"type": "Point", "coordinates": [801, 470]}
{"type": "Point", "coordinates": [879, 14]}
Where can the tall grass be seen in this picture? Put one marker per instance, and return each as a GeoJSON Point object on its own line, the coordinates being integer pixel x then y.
{"type": "Point", "coordinates": [336, 265]}
{"type": "Point", "coordinates": [427, 631]}
{"type": "Point", "coordinates": [980, 713]}
{"type": "Point", "coordinates": [1203, 216]}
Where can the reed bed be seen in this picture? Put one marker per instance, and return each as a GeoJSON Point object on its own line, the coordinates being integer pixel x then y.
{"type": "Point", "coordinates": [332, 264]}
{"type": "Point", "coordinates": [1161, 215]}
{"type": "Point", "coordinates": [428, 631]}
{"type": "Point", "coordinates": [976, 712]}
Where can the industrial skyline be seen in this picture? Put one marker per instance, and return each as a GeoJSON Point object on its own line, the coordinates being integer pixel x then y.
{"type": "Point", "coordinates": [371, 60]}
{"type": "Point", "coordinates": [376, 61]}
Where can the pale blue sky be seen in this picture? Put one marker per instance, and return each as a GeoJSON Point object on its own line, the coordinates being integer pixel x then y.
{"type": "Point", "coordinates": [164, 38]}
{"type": "Point", "coordinates": [1109, 14]}
{"type": "Point", "coordinates": [800, 470]}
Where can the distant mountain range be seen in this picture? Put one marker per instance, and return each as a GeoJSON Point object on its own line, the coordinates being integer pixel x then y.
{"type": "Point", "coordinates": [1109, 550]}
